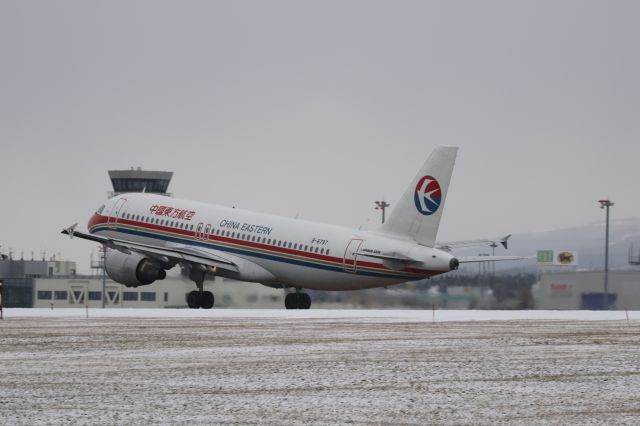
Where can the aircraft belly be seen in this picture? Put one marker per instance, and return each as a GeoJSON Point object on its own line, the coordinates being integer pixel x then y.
{"type": "Point", "coordinates": [321, 279]}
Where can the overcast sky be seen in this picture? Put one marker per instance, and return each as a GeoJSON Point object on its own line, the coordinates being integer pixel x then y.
{"type": "Point", "coordinates": [319, 108]}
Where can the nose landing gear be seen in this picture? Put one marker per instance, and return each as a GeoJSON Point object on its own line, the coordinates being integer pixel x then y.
{"type": "Point", "coordinates": [297, 301]}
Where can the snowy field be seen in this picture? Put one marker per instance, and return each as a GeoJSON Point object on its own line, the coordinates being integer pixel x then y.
{"type": "Point", "coordinates": [319, 367]}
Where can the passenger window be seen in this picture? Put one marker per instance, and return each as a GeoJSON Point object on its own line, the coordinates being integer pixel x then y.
{"type": "Point", "coordinates": [233, 235]}
{"type": "Point", "coordinates": [321, 251]}
{"type": "Point", "coordinates": [306, 247]}
{"type": "Point", "coordinates": [316, 250]}
{"type": "Point", "coordinates": [327, 252]}
{"type": "Point", "coordinates": [289, 245]}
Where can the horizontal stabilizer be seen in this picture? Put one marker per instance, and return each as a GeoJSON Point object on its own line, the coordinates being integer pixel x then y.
{"type": "Point", "coordinates": [450, 245]}
{"type": "Point", "coordinates": [475, 259]}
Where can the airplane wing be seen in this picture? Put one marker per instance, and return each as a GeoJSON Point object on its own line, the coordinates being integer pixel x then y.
{"type": "Point", "coordinates": [176, 253]}
{"type": "Point", "coordinates": [450, 245]}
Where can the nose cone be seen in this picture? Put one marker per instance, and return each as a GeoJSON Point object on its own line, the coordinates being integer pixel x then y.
{"type": "Point", "coordinates": [95, 219]}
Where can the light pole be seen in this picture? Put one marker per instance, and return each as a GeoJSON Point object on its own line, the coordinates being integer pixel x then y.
{"type": "Point", "coordinates": [606, 204]}
{"type": "Point", "coordinates": [382, 205]}
{"type": "Point", "coordinates": [493, 246]}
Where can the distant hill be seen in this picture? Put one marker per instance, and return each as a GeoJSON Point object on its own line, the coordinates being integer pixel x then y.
{"type": "Point", "coordinates": [587, 240]}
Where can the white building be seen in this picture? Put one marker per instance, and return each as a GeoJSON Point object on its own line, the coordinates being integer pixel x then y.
{"type": "Point", "coordinates": [78, 292]}
{"type": "Point", "coordinates": [585, 290]}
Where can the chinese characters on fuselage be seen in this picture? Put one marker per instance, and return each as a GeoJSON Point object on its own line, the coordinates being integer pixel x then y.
{"type": "Point", "coordinates": [171, 212]}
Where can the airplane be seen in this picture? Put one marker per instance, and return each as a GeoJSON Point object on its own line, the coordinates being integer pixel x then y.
{"type": "Point", "coordinates": [147, 234]}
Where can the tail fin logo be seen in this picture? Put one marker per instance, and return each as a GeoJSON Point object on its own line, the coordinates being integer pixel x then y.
{"type": "Point", "coordinates": [428, 195]}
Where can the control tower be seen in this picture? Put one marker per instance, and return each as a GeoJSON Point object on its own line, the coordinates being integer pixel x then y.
{"type": "Point", "coordinates": [138, 180]}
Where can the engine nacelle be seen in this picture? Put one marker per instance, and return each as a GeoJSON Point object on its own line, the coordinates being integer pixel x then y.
{"type": "Point", "coordinates": [133, 269]}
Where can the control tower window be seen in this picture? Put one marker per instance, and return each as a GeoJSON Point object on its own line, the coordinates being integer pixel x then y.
{"type": "Point", "coordinates": [139, 185]}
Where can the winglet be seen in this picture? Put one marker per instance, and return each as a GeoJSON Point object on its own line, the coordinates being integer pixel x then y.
{"type": "Point", "coordinates": [504, 240]}
{"type": "Point", "coordinates": [70, 230]}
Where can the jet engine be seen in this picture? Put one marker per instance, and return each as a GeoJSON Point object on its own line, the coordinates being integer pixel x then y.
{"type": "Point", "coordinates": [133, 269]}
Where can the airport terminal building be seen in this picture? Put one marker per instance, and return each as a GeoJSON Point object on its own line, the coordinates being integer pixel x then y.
{"type": "Point", "coordinates": [584, 290]}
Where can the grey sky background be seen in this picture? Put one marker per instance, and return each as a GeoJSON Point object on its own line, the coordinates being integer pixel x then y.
{"type": "Point", "coordinates": [319, 108]}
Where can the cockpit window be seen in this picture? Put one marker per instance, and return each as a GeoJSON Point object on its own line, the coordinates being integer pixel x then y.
{"type": "Point", "coordinates": [99, 211]}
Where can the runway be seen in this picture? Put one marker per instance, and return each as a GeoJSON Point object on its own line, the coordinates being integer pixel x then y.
{"type": "Point", "coordinates": [318, 367]}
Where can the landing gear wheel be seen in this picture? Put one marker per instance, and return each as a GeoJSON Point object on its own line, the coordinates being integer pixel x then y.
{"type": "Point", "coordinates": [304, 301]}
{"type": "Point", "coordinates": [193, 299]}
{"type": "Point", "coordinates": [206, 300]}
{"type": "Point", "coordinates": [297, 301]}
{"type": "Point", "coordinates": [291, 301]}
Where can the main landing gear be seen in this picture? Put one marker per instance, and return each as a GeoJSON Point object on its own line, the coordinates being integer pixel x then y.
{"type": "Point", "coordinates": [297, 301]}
{"type": "Point", "coordinates": [199, 298]}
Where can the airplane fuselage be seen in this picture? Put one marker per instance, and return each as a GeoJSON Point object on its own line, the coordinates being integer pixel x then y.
{"type": "Point", "coordinates": [272, 250]}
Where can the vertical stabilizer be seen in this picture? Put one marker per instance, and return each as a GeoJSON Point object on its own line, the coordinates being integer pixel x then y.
{"type": "Point", "coordinates": [417, 214]}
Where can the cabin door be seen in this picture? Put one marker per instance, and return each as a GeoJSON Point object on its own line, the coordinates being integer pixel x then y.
{"type": "Point", "coordinates": [350, 260]}
{"type": "Point", "coordinates": [117, 212]}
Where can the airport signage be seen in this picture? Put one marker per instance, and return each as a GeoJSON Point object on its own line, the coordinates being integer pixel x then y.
{"type": "Point", "coordinates": [557, 258]}
{"type": "Point", "coordinates": [545, 257]}
{"type": "Point", "coordinates": [561, 289]}
{"type": "Point", "coordinates": [565, 258]}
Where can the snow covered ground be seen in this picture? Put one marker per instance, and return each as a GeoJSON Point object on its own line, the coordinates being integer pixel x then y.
{"type": "Point", "coordinates": [319, 367]}
{"type": "Point", "coordinates": [386, 315]}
